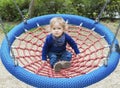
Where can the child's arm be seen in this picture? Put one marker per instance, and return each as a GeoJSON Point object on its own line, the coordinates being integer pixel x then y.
{"type": "Point", "coordinates": [73, 44]}
{"type": "Point", "coordinates": [79, 55]}
{"type": "Point", "coordinates": [45, 50]}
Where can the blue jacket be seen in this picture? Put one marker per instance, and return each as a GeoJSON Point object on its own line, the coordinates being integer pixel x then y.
{"type": "Point", "coordinates": [48, 46]}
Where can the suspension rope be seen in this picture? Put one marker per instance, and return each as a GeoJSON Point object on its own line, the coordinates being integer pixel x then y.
{"type": "Point", "coordinates": [3, 29]}
{"type": "Point", "coordinates": [102, 10]}
{"type": "Point", "coordinates": [23, 17]}
{"type": "Point", "coordinates": [116, 33]}
{"type": "Point", "coordinates": [31, 6]}
{"type": "Point", "coordinates": [113, 47]}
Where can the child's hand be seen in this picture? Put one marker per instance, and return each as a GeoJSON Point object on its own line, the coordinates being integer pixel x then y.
{"type": "Point", "coordinates": [78, 56]}
{"type": "Point", "coordinates": [43, 61]}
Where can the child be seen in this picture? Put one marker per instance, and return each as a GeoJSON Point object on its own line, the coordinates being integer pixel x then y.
{"type": "Point", "coordinates": [55, 45]}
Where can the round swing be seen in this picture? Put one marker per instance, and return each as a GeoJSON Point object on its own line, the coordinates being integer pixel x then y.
{"type": "Point", "coordinates": [93, 39]}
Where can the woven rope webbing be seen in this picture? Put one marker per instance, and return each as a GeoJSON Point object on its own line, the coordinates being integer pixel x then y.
{"type": "Point", "coordinates": [93, 47]}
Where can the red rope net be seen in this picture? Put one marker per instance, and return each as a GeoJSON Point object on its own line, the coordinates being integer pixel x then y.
{"type": "Point", "coordinates": [28, 46]}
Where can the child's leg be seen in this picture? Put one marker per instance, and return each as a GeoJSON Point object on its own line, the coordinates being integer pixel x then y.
{"type": "Point", "coordinates": [53, 58]}
{"type": "Point", "coordinates": [66, 56]}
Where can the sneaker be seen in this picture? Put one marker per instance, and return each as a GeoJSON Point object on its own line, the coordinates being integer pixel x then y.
{"type": "Point", "coordinates": [57, 67]}
{"type": "Point", "coordinates": [66, 64]}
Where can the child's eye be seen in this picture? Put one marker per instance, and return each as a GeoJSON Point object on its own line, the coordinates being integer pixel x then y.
{"type": "Point", "coordinates": [59, 28]}
{"type": "Point", "coordinates": [53, 28]}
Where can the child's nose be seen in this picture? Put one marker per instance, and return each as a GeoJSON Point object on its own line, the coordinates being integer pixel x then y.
{"type": "Point", "coordinates": [57, 30]}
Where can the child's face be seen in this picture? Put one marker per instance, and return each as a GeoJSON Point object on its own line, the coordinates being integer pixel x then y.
{"type": "Point", "coordinates": [57, 30]}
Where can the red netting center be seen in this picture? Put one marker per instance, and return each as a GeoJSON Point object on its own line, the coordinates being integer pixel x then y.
{"type": "Point", "coordinates": [28, 46]}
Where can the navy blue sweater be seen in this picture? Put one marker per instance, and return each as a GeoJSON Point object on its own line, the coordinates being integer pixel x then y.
{"type": "Point", "coordinates": [48, 46]}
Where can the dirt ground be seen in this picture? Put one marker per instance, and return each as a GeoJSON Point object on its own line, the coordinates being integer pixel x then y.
{"type": "Point", "coordinates": [112, 81]}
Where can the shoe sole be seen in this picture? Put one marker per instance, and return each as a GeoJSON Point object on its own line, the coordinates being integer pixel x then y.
{"type": "Point", "coordinates": [66, 64]}
{"type": "Point", "coordinates": [57, 67]}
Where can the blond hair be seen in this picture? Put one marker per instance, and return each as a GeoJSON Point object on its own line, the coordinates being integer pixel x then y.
{"type": "Point", "coordinates": [59, 20]}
